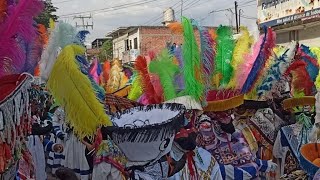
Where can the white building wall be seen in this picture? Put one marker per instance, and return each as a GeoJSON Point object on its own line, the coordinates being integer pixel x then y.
{"type": "Point", "coordinates": [119, 46]}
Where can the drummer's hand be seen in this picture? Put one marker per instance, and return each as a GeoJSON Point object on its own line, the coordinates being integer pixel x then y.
{"type": "Point", "coordinates": [58, 148]}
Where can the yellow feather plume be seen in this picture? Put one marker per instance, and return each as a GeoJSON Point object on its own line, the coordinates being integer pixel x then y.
{"type": "Point", "coordinates": [316, 51]}
{"type": "Point", "coordinates": [243, 46]}
{"type": "Point", "coordinates": [51, 24]}
{"type": "Point", "coordinates": [74, 92]}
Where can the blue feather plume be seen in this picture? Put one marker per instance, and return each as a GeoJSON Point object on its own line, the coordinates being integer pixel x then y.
{"type": "Point", "coordinates": [179, 80]}
{"type": "Point", "coordinates": [277, 70]}
{"type": "Point", "coordinates": [81, 37]}
{"type": "Point", "coordinates": [312, 69]}
{"type": "Point", "coordinates": [84, 67]}
{"type": "Point", "coordinates": [207, 55]}
{"type": "Point", "coordinates": [256, 66]}
{"type": "Point", "coordinates": [264, 54]}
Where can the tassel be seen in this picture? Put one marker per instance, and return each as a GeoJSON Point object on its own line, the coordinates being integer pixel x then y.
{"type": "Point", "coordinates": [74, 92]}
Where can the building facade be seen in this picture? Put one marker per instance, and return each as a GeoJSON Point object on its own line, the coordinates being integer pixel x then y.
{"type": "Point", "coordinates": [292, 20]}
{"type": "Point", "coordinates": [129, 42]}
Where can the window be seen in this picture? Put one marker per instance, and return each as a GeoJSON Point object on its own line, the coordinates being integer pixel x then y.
{"type": "Point", "coordinates": [135, 43]}
{"type": "Point", "coordinates": [126, 44]}
{"type": "Point", "coordinates": [130, 44]}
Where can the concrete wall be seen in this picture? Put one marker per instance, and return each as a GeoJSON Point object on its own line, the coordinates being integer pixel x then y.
{"type": "Point", "coordinates": [155, 39]}
{"type": "Point", "coordinates": [149, 39]}
{"type": "Point", "coordinates": [309, 36]}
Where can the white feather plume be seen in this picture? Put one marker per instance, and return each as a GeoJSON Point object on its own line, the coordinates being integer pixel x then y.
{"type": "Point", "coordinates": [61, 36]}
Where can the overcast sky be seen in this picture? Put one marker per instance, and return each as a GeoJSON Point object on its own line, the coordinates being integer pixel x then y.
{"type": "Point", "coordinates": [111, 14]}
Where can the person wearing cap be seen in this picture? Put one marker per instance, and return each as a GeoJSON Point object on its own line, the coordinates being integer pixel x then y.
{"type": "Point", "coordinates": [55, 159]}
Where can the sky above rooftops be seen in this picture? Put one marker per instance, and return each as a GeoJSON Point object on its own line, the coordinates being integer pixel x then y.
{"type": "Point", "coordinates": [108, 15]}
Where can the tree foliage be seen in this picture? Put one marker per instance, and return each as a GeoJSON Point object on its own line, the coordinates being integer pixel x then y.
{"type": "Point", "coordinates": [106, 52]}
{"type": "Point", "coordinates": [49, 10]}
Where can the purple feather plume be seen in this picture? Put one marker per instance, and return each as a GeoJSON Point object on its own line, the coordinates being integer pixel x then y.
{"type": "Point", "coordinates": [179, 77]}
{"type": "Point", "coordinates": [17, 28]}
{"type": "Point", "coordinates": [207, 55]}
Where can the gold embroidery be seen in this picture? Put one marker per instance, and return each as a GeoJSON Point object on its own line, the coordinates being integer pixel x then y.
{"type": "Point", "coordinates": [206, 175]}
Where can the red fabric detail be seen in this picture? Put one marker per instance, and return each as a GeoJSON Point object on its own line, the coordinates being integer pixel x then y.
{"type": "Point", "coordinates": [215, 95]}
{"type": "Point", "coordinates": [190, 163]}
{"type": "Point", "coordinates": [112, 162]}
{"type": "Point", "coordinates": [8, 84]}
{"type": "Point", "coordinates": [184, 133]}
{"type": "Point", "coordinates": [98, 139]}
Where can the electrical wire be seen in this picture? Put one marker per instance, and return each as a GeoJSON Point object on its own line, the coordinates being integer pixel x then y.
{"type": "Point", "coordinates": [244, 4]}
{"type": "Point", "coordinates": [60, 2]}
{"type": "Point", "coordinates": [156, 18]}
{"type": "Point", "coordinates": [113, 8]}
{"type": "Point", "coordinates": [155, 21]}
{"type": "Point", "coordinates": [188, 6]}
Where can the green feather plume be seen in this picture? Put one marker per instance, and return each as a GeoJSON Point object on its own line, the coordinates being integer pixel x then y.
{"type": "Point", "coordinates": [192, 66]}
{"type": "Point", "coordinates": [165, 68]}
{"type": "Point", "coordinates": [225, 46]}
{"type": "Point", "coordinates": [136, 88]}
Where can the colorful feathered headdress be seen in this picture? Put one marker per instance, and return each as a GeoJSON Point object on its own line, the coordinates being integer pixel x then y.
{"type": "Point", "coordinates": [83, 110]}
{"type": "Point", "coordinates": [277, 70]}
{"type": "Point", "coordinates": [17, 31]}
{"type": "Point", "coordinates": [192, 69]}
{"type": "Point", "coordinates": [63, 35]}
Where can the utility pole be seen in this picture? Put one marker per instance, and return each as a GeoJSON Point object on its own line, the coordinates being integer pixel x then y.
{"type": "Point", "coordinates": [236, 13]}
{"type": "Point", "coordinates": [181, 8]}
{"type": "Point", "coordinates": [240, 12]}
{"type": "Point", "coordinates": [84, 25]}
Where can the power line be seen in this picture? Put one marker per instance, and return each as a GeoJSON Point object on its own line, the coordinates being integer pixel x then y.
{"type": "Point", "coordinates": [160, 17]}
{"type": "Point", "coordinates": [60, 2]}
{"type": "Point", "coordinates": [190, 4]}
{"type": "Point", "coordinates": [156, 18]}
{"type": "Point", "coordinates": [244, 4]}
{"type": "Point", "coordinates": [113, 8]}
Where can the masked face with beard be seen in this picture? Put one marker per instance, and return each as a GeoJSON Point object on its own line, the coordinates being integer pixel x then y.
{"type": "Point", "coordinates": [186, 139]}
{"type": "Point", "coordinates": [224, 119]}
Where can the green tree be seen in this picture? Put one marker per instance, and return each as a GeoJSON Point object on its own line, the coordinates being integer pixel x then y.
{"type": "Point", "coordinates": [48, 12]}
{"type": "Point", "coordinates": [106, 52]}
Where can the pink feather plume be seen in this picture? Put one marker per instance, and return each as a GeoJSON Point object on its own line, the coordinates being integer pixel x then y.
{"type": "Point", "coordinates": [18, 27]}
{"type": "Point", "coordinates": [245, 68]}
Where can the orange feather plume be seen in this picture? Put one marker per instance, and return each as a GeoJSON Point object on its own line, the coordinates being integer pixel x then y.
{"type": "Point", "coordinates": [37, 71]}
{"type": "Point", "coordinates": [176, 27]}
{"type": "Point", "coordinates": [148, 88]}
{"type": "Point", "coordinates": [213, 34]}
{"type": "Point", "coordinates": [43, 34]}
{"type": "Point", "coordinates": [3, 10]}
